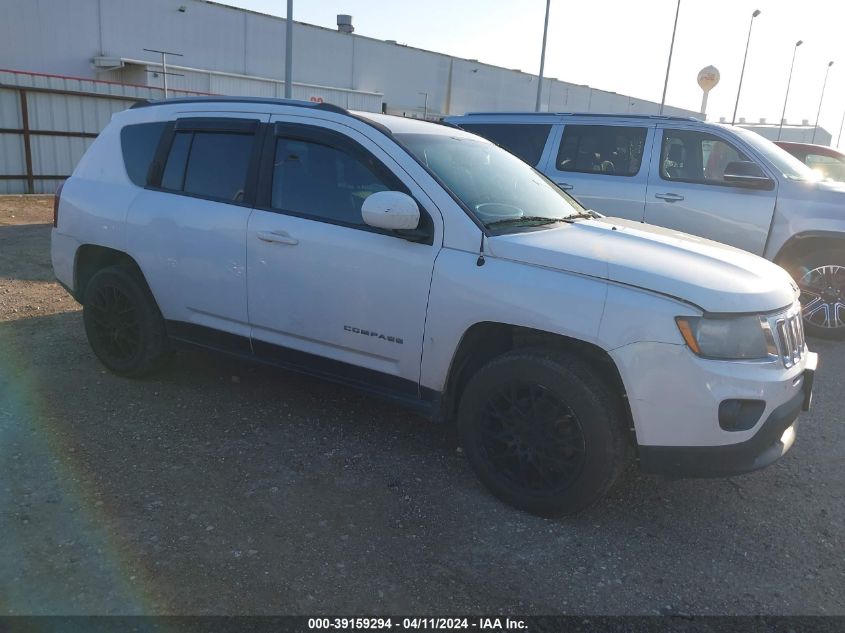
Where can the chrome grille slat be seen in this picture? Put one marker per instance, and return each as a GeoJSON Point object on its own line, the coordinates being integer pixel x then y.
{"type": "Point", "coordinates": [789, 335]}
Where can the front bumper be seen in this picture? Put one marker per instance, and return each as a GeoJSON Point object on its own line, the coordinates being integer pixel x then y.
{"type": "Point", "coordinates": [769, 444]}
{"type": "Point", "coordinates": [674, 398]}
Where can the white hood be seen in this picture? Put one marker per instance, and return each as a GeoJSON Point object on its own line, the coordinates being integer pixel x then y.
{"type": "Point", "coordinates": [713, 276]}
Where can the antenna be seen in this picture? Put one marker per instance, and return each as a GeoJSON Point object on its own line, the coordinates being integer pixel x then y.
{"type": "Point", "coordinates": [164, 72]}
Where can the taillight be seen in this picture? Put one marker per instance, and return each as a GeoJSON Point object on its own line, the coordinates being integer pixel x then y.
{"type": "Point", "coordinates": [56, 199]}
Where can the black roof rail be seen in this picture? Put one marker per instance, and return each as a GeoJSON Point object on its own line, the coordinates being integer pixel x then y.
{"type": "Point", "coordinates": [329, 107]}
{"type": "Point", "coordinates": [660, 117]}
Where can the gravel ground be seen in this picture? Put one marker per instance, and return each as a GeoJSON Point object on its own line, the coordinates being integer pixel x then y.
{"type": "Point", "coordinates": [223, 488]}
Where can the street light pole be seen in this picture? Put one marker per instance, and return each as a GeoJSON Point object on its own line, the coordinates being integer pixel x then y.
{"type": "Point", "coordinates": [744, 59]}
{"type": "Point", "coordinates": [839, 138]}
{"type": "Point", "coordinates": [289, 51]}
{"type": "Point", "coordinates": [788, 82]}
{"type": "Point", "coordinates": [669, 64]}
{"type": "Point", "coordinates": [425, 105]}
{"type": "Point", "coordinates": [816, 126]}
{"type": "Point", "coordinates": [543, 57]}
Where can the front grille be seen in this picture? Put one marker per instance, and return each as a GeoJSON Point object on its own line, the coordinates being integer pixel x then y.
{"type": "Point", "coordinates": [789, 331]}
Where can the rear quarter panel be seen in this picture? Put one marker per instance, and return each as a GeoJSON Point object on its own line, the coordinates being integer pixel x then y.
{"type": "Point", "coordinates": [95, 200]}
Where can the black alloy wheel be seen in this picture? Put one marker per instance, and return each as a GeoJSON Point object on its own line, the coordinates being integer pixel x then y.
{"type": "Point", "coordinates": [532, 438]}
{"type": "Point", "coordinates": [116, 328]}
{"type": "Point", "coordinates": [123, 323]}
{"type": "Point", "coordinates": [543, 430]}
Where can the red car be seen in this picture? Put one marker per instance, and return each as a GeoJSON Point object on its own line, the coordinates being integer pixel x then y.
{"type": "Point", "coordinates": [827, 161]}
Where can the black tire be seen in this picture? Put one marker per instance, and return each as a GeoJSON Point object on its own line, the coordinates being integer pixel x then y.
{"type": "Point", "coordinates": [562, 455]}
{"type": "Point", "coordinates": [123, 323]}
{"type": "Point", "coordinates": [821, 278]}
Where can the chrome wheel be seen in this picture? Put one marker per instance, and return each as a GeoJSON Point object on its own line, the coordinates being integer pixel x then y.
{"type": "Point", "coordinates": [823, 297]}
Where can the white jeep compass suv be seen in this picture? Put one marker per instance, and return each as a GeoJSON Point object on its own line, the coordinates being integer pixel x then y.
{"type": "Point", "coordinates": [425, 264]}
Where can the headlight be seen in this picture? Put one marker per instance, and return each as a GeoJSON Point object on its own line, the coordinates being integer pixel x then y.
{"type": "Point", "coordinates": [731, 338]}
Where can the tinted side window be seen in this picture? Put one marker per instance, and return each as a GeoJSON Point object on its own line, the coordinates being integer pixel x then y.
{"type": "Point", "coordinates": [322, 181]}
{"type": "Point", "coordinates": [524, 140]}
{"type": "Point", "coordinates": [139, 144]}
{"type": "Point", "coordinates": [174, 169]}
{"type": "Point", "coordinates": [218, 165]}
{"type": "Point", "coordinates": [696, 157]}
{"type": "Point", "coordinates": [209, 164]}
{"type": "Point", "coordinates": [607, 149]}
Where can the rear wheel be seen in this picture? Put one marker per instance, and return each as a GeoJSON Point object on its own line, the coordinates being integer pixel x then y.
{"type": "Point", "coordinates": [821, 279]}
{"type": "Point", "coordinates": [542, 431]}
{"type": "Point", "coordinates": [123, 323]}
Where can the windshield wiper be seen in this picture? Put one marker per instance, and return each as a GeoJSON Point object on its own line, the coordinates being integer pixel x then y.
{"type": "Point", "coordinates": [586, 214]}
{"type": "Point", "coordinates": [529, 218]}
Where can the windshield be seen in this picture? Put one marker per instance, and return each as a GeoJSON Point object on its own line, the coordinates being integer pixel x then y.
{"type": "Point", "coordinates": [780, 159]}
{"type": "Point", "coordinates": [503, 192]}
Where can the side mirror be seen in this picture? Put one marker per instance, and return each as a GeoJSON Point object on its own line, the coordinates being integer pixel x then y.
{"type": "Point", "coordinates": [391, 210]}
{"type": "Point", "coordinates": [745, 173]}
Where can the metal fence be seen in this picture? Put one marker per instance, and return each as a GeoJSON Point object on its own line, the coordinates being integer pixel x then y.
{"type": "Point", "coordinates": [47, 122]}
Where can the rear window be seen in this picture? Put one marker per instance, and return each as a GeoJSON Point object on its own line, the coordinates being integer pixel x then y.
{"type": "Point", "coordinates": [611, 150]}
{"type": "Point", "coordinates": [139, 143]}
{"type": "Point", "coordinates": [524, 140]}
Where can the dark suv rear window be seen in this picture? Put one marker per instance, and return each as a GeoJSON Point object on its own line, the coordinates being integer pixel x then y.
{"type": "Point", "coordinates": [525, 140]}
{"type": "Point", "coordinates": [139, 143]}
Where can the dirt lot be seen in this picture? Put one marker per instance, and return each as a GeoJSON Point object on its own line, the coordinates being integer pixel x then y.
{"type": "Point", "coordinates": [220, 488]}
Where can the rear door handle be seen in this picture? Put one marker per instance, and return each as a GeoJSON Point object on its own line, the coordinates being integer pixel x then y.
{"type": "Point", "coordinates": [669, 197]}
{"type": "Point", "coordinates": [277, 237]}
{"type": "Point", "coordinates": [565, 186]}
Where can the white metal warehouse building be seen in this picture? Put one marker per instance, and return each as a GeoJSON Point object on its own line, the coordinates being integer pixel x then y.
{"type": "Point", "coordinates": [66, 65]}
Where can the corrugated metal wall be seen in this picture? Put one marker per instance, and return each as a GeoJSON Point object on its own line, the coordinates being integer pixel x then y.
{"type": "Point", "coordinates": [47, 123]}
{"type": "Point", "coordinates": [239, 85]}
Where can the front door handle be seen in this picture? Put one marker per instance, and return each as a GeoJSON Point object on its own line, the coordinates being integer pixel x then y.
{"type": "Point", "coordinates": [669, 197]}
{"type": "Point", "coordinates": [277, 237]}
{"type": "Point", "coordinates": [565, 186]}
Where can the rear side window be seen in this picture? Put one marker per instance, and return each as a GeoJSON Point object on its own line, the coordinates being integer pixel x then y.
{"type": "Point", "coordinates": [139, 144]}
{"type": "Point", "coordinates": [524, 140]}
{"type": "Point", "coordinates": [606, 149]}
{"type": "Point", "coordinates": [209, 164]}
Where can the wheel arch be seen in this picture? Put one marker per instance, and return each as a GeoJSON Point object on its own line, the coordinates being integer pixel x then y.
{"type": "Point", "coordinates": [807, 242]}
{"type": "Point", "coordinates": [91, 258]}
{"type": "Point", "coordinates": [484, 341]}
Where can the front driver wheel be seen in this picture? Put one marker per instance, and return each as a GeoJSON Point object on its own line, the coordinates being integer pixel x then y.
{"type": "Point", "coordinates": [542, 431]}
{"type": "Point", "coordinates": [821, 280]}
{"type": "Point", "coordinates": [123, 323]}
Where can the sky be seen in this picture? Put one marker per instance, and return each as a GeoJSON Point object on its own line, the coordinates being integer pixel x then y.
{"type": "Point", "coordinates": [623, 45]}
